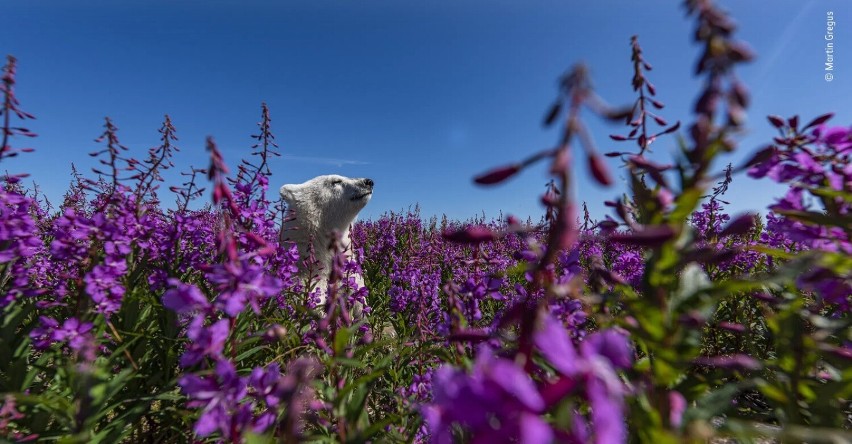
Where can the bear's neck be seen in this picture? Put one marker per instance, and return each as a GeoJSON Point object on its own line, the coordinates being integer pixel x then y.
{"type": "Point", "coordinates": [307, 233]}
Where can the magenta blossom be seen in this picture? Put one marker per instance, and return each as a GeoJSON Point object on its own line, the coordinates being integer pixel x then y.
{"type": "Point", "coordinates": [593, 368]}
{"type": "Point", "coordinates": [184, 298]}
{"type": "Point", "coordinates": [204, 341]}
{"type": "Point", "coordinates": [497, 402]}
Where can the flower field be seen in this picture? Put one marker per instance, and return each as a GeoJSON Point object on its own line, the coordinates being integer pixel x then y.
{"type": "Point", "coordinates": [138, 311]}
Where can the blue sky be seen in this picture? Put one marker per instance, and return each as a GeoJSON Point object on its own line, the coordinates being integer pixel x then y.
{"type": "Point", "coordinates": [420, 96]}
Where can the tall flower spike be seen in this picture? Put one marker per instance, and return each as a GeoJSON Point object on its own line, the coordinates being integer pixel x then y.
{"type": "Point", "coordinates": [159, 159]}
{"type": "Point", "coordinates": [11, 106]}
{"type": "Point", "coordinates": [252, 178]}
{"type": "Point", "coordinates": [113, 161]}
{"type": "Point", "coordinates": [638, 116]}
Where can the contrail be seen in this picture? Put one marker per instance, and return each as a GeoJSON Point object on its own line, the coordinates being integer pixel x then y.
{"type": "Point", "coordinates": [324, 160]}
{"type": "Point", "coordinates": [782, 43]}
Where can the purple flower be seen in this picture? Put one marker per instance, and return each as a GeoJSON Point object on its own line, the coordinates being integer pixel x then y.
{"type": "Point", "coordinates": [19, 243]}
{"type": "Point", "coordinates": [593, 368]}
{"type": "Point", "coordinates": [629, 263]}
{"type": "Point", "coordinates": [607, 412]}
{"type": "Point", "coordinates": [104, 287]}
{"type": "Point", "coordinates": [553, 342]}
{"type": "Point", "coordinates": [677, 405]}
{"type": "Point", "coordinates": [75, 333]}
{"type": "Point", "coordinates": [838, 138]}
{"type": "Point", "coordinates": [242, 283]}
{"type": "Point", "coordinates": [496, 388]}
{"type": "Point", "coordinates": [736, 361]}
{"type": "Point", "coordinates": [570, 313]}
{"type": "Point", "coordinates": [610, 344]}
{"type": "Point", "coordinates": [204, 341]}
{"type": "Point", "coordinates": [220, 396]}
{"type": "Point", "coordinates": [9, 415]}
{"type": "Point", "coordinates": [266, 383]}
{"type": "Point", "coordinates": [184, 298]}
{"type": "Point", "coordinates": [569, 261]}
{"type": "Point", "coordinates": [42, 336]}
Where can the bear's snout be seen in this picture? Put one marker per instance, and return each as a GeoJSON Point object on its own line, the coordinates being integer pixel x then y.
{"type": "Point", "coordinates": [367, 182]}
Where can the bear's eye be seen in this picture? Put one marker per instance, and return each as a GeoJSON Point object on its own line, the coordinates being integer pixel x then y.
{"type": "Point", "coordinates": [336, 182]}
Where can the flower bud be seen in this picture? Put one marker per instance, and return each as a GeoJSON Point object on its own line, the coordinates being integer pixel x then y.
{"type": "Point", "coordinates": [599, 170]}
{"type": "Point", "coordinates": [474, 234]}
{"type": "Point", "coordinates": [819, 120]}
{"type": "Point", "coordinates": [776, 121]}
{"type": "Point", "coordinates": [552, 114]}
{"type": "Point", "coordinates": [734, 362]}
{"type": "Point", "coordinates": [497, 175]}
{"type": "Point", "coordinates": [794, 122]}
{"type": "Point", "coordinates": [649, 236]}
{"type": "Point", "coordinates": [740, 225]}
{"type": "Point", "coordinates": [561, 162]}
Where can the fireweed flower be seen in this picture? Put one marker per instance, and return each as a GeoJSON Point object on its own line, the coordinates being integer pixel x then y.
{"type": "Point", "coordinates": [709, 220]}
{"type": "Point", "coordinates": [18, 233]}
{"type": "Point", "coordinates": [570, 312]}
{"type": "Point", "coordinates": [569, 262]}
{"type": "Point", "coordinates": [70, 236]}
{"type": "Point", "coordinates": [472, 291]}
{"type": "Point", "coordinates": [9, 414]}
{"type": "Point", "coordinates": [75, 333]}
{"type": "Point", "coordinates": [79, 239]}
{"type": "Point", "coordinates": [268, 389]}
{"type": "Point", "coordinates": [832, 289]}
{"type": "Point", "coordinates": [611, 345]}
{"type": "Point", "coordinates": [496, 402]}
{"type": "Point", "coordinates": [19, 243]}
{"type": "Point", "coordinates": [678, 406]}
{"type": "Point", "coordinates": [628, 263]}
{"type": "Point", "coordinates": [232, 404]}
{"type": "Point", "coordinates": [354, 291]}
{"type": "Point", "coordinates": [415, 292]}
{"type": "Point", "coordinates": [42, 335]}
{"type": "Point", "coordinates": [240, 283]}
{"type": "Point", "coordinates": [420, 389]}
{"type": "Point", "coordinates": [220, 397]}
{"type": "Point", "coordinates": [184, 298]}
{"type": "Point", "coordinates": [265, 381]}
{"type": "Point", "coordinates": [837, 138]}
{"type": "Point", "coordinates": [825, 163]}
{"type": "Point", "coordinates": [594, 367]}
{"type": "Point", "coordinates": [103, 284]}
{"type": "Point", "coordinates": [204, 341]}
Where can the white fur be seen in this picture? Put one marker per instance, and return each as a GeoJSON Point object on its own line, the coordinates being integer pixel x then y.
{"type": "Point", "coordinates": [317, 207]}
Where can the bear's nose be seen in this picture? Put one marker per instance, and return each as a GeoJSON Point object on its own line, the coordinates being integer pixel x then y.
{"type": "Point", "coordinates": [368, 182]}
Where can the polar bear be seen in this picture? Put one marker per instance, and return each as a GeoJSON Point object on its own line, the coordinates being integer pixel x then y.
{"type": "Point", "coordinates": [316, 208]}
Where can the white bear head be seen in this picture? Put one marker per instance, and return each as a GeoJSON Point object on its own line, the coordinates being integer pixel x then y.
{"type": "Point", "coordinates": [329, 202]}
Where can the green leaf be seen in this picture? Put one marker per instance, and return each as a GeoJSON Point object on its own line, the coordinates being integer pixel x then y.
{"type": "Point", "coordinates": [341, 339]}
{"type": "Point", "coordinates": [815, 218]}
{"type": "Point", "coordinates": [363, 380]}
{"type": "Point", "coordinates": [348, 362]}
{"type": "Point", "coordinates": [693, 280]}
{"type": "Point", "coordinates": [714, 403]}
{"type": "Point", "coordinates": [254, 438]}
{"type": "Point", "coordinates": [355, 406]}
{"type": "Point", "coordinates": [831, 193]}
{"type": "Point", "coordinates": [376, 427]}
{"type": "Point", "coordinates": [250, 352]}
{"type": "Point", "coordinates": [772, 392]}
{"type": "Point", "coordinates": [685, 204]}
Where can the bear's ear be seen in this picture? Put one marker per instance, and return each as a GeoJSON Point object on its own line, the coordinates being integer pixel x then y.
{"type": "Point", "coordinates": [289, 193]}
